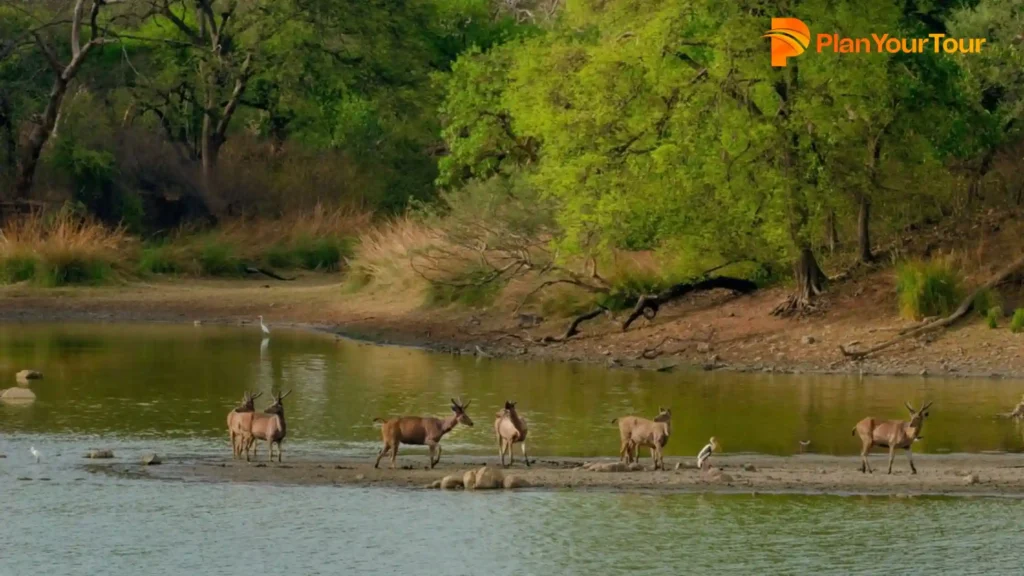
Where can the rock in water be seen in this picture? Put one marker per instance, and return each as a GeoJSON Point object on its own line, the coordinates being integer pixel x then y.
{"type": "Point", "coordinates": [24, 376]}
{"type": "Point", "coordinates": [749, 468]}
{"type": "Point", "coordinates": [971, 479]}
{"type": "Point", "coordinates": [99, 454]}
{"type": "Point", "coordinates": [488, 478]}
{"type": "Point", "coordinates": [150, 459]}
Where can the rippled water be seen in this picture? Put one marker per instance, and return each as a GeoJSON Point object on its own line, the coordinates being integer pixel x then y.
{"type": "Point", "coordinates": [168, 388]}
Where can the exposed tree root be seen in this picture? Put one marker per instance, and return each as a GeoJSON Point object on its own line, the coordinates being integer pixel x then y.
{"type": "Point", "coordinates": [965, 307]}
{"type": "Point", "coordinates": [270, 273]}
{"type": "Point", "coordinates": [649, 304]}
{"type": "Point", "coordinates": [573, 328]}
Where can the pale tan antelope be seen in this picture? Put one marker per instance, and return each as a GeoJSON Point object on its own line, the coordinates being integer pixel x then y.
{"type": "Point", "coordinates": [891, 434]}
{"type": "Point", "coordinates": [635, 432]}
{"type": "Point", "coordinates": [269, 426]}
{"type": "Point", "coordinates": [510, 428]}
{"type": "Point", "coordinates": [240, 423]}
{"type": "Point", "coordinates": [419, 430]}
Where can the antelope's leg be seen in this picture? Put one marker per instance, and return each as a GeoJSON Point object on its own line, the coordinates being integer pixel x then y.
{"type": "Point", "coordinates": [511, 451]}
{"type": "Point", "coordinates": [624, 445]}
{"type": "Point", "coordinates": [380, 454]}
{"type": "Point", "coordinates": [438, 461]}
{"type": "Point", "coordinates": [892, 455]}
{"type": "Point", "coordinates": [501, 450]}
{"type": "Point", "coordinates": [525, 457]}
{"type": "Point", "coordinates": [279, 452]}
{"type": "Point", "coordinates": [865, 466]}
{"type": "Point", "coordinates": [394, 454]}
{"type": "Point", "coordinates": [234, 446]}
{"type": "Point", "coordinates": [910, 458]}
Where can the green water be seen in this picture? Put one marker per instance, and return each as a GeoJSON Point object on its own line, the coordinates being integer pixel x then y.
{"type": "Point", "coordinates": [168, 388]}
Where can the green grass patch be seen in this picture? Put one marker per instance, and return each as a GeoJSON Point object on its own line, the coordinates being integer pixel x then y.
{"type": "Point", "coordinates": [17, 268]}
{"type": "Point", "coordinates": [993, 315]}
{"type": "Point", "coordinates": [470, 289]}
{"type": "Point", "coordinates": [929, 288]}
{"type": "Point", "coordinates": [324, 253]}
{"type": "Point", "coordinates": [1017, 322]}
{"type": "Point", "coordinates": [72, 269]}
{"type": "Point", "coordinates": [159, 259]}
{"type": "Point", "coordinates": [219, 259]}
{"type": "Point", "coordinates": [985, 300]}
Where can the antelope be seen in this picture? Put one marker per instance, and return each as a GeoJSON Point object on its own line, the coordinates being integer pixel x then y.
{"type": "Point", "coordinates": [509, 428]}
{"type": "Point", "coordinates": [270, 427]}
{"type": "Point", "coordinates": [891, 434]}
{"type": "Point", "coordinates": [417, 431]}
{"type": "Point", "coordinates": [635, 432]}
{"type": "Point", "coordinates": [240, 423]}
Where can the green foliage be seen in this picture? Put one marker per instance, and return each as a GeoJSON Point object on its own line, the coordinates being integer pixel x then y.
{"type": "Point", "coordinates": [219, 259]}
{"type": "Point", "coordinates": [17, 268]}
{"type": "Point", "coordinates": [927, 288]}
{"type": "Point", "coordinates": [993, 315]}
{"type": "Point", "coordinates": [986, 300]}
{"type": "Point", "coordinates": [159, 259]}
{"type": "Point", "coordinates": [325, 253]}
{"type": "Point", "coordinates": [72, 269]}
{"type": "Point", "coordinates": [1017, 322]}
{"type": "Point", "coordinates": [472, 287]}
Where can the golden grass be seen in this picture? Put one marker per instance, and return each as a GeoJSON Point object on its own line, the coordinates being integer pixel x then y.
{"type": "Point", "coordinates": [385, 256]}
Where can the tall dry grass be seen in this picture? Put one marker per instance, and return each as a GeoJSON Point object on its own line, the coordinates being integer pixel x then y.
{"type": "Point", "coordinates": [60, 248]}
{"type": "Point", "coordinates": [385, 257]}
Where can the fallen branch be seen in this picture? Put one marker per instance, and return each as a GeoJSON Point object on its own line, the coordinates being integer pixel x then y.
{"type": "Point", "coordinates": [965, 307]}
{"type": "Point", "coordinates": [573, 328]}
{"type": "Point", "coordinates": [649, 304]}
{"type": "Point", "coordinates": [655, 351]}
{"type": "Point", "coordinates": [255, 270]}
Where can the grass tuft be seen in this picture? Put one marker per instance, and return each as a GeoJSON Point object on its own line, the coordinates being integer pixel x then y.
{"type": "Point", "coordinates": [927, 288]}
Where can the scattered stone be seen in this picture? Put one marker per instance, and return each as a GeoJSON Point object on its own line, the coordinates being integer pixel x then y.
{"type": "Point", "coordinates": [512, 482]}
{"type": "Point", "coordinates": [635, 467]}
{"type": "Point", "coordinates": [488, 478]}
{"type": "Point", "coordinates": [822, 471]}
{"type": "Point", "coordinates": [703, 347]}
{"type": "Point", "coordinates": [3, 455]}
{"type": "Point", "coordinates": [18, 395]}
{"type": "Point", "coordinates": [749, 468]}
{"type": "Point", "coordinates": [719, 476]}
{"type": "Point", "coordinates": [360, 477]}
{"type": "Point", "coordinates": [606, 467]}
{"type": "Point", "coordinates": [451, 483]}
{"type": "Point", "coordinates": [99, 454]}
{"type": "Point", "coordinates": [807, 340]}
{"type": "Point", "coordinates": [469, 479]}
{"type": "Point", "coordinates": [529, 320]}
{"type": "Point", "coordinates": [971, 479]}
{"type": "Point", "coordinates": [150, 459]}
{"type": "Point", "coordinates": [24, 376]}
{"type": "Point", "coordinates": [435, 485]}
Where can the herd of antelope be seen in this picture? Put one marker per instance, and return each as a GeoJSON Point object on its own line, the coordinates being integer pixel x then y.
{"type": "Point", "coordinates": [246, 427]}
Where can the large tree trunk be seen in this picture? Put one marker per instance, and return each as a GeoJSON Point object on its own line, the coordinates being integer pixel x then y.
{"type": "Point", "coordinates": [33, 146]}
{"type": "Point", "coordinates": [833, 234]}
{"type": "Point", "coordinates": [863, 233]}
{"type": "Point", "coordinates": [810, 282]}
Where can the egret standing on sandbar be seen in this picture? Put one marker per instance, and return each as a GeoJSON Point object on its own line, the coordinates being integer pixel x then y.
{"type": "Point", "coordinates": [35, 453]}
{"type": "Point", "coordinates": [705, 452]}
{"type": "Point", "coordinates": [263, 327]}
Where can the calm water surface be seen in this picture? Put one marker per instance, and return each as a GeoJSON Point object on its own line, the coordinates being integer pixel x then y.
{"type": "Point", "coordinates": [168, 388]}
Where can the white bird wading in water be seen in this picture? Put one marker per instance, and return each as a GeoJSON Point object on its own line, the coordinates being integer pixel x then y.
{"type": "Point", "coordinates": [264, 327]}
{"type": "Point", "coordinates": [35, 453]}
{"type": "Point", "coordinates": [705, 453]}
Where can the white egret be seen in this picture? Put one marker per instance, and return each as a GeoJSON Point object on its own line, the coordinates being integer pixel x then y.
{"type": "Point", "coordinates": [705, 452]}
{"type": "Point", "coordinates": [35, 454]}
{"type": "Point", "coordinates": [264, 327]}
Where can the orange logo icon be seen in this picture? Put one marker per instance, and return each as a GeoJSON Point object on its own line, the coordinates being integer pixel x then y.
{"type": "Point", "coordinates": [790, 37]}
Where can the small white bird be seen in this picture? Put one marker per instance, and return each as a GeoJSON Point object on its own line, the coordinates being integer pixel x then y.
{"type": "Point", "coordinates": [264, 327]}
{"type": "Point", "coordinates": [705, 452]}
{"type": "Point", "coordinates": [35, 453]}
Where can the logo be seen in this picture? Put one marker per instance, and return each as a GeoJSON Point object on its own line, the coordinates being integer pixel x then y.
{"type": "Point", "coordinates": [790, 37]}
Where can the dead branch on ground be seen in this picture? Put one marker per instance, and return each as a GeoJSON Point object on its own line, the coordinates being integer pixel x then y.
{"type": "Point", "coordinates": [649, 304]}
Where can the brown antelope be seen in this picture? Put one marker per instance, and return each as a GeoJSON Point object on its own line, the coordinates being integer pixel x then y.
{"type": "Point", "coordinates": [635, 432]}
{"type": "Point", "coordinates": [891, 434]}
{"type": "Point", "coordinates": [270, 427]}
{"type": "Point", "coordinates": [417, 431]}
{"type": "Point", "coordinates": [509, 428]}
{"type": "Point", "coordinates": [240, 423]}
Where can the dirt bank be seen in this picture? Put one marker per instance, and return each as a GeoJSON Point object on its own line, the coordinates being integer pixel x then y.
{"type": "Point", "coordinates": [711, 331]}
{"type": "Point", "coordinates": [810, 474]}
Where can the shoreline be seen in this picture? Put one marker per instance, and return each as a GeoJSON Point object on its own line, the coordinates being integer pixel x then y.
{"type": "Point", "coordinates": [961, 475]}
{"type": "Point", "coordinates": [316, 303]}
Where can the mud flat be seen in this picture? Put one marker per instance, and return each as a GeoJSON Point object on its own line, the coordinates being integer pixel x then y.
{"type": "Point", "coordinates": [952, 475]}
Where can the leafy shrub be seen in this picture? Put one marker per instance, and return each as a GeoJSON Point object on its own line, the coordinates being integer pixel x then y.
{"type": "Point", "coordinates": [985, 300]}
{"type": "Point", "coordinates": [993, 316]}
{"type": "Point", "coordinates": [929, 288]}
{"type": "Point", "coordinates": [219, 259]}
{"type": "Point", "coordinates": [472, 288]}
{"type": "Point", "coordinates": [1017, 323]}
{"type": "Point", "coordinates": [158, 260]}
{"type": "Point", "coordinates": [17, 268]}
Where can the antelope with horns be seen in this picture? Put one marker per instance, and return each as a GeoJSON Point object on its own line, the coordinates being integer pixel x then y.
{"type": "Point", "coordinates": [240, 423]}
{"type": "Point", "coordinates": [635, 432]}
{"type": "Point", "coordinates": [270, 427]}
{"type": "Point", "coordinates": [891, 434]}
{"type": "Point", "coordinates": [417, 431]}
{"type": "Point", "coordinates": [510, 427]}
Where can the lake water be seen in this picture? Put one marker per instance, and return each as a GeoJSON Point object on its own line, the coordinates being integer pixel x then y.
{"type": "Point", "coordinates": [168, 388]}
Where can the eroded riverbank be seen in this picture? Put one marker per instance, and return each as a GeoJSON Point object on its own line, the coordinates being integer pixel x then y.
{"type": "Point", "coordinates": [951, 475]}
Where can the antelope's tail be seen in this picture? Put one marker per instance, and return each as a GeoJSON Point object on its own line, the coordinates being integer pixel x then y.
{"type": "Point", "coordinates": [854, 431]}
